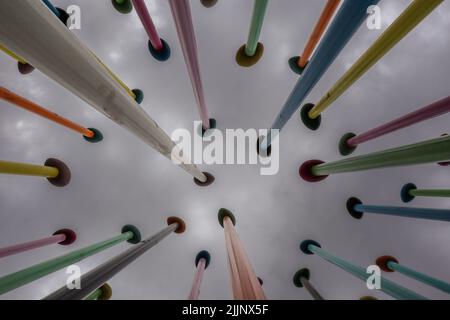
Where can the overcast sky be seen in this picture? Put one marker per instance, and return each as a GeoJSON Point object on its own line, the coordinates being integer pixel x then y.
{"type": "Point", "coordinates": [123, 181]}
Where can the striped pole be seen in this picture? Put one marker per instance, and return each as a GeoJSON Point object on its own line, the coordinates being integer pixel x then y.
{"type": "Point", "coordinates": [56, 172]}
{"type": "Point", "coordinates": [81, 74]}
{"type": "Point", "coordinates": [301, 279]}
{"type": "Point", "coordinates": [356, 209]}
{"type": "Point", "coordinates": [181, 13]}
{"type": "Point", "coordinates": [251, 52]}
{"type": "Point", "coordinates": [102, 293]}
{"type": "Point", "coordinates": [394, 290]}
{"type": "Point", "coordinates": [92, 135]}
{"type": "Point", "coordinates": [244, 282]}
{"type": "Point", "coordinates": [350, 141]}
{"type": "Point", "coordinates": [202, 261]}
{"type": "Point", "coordinates": [418, 153]}
{"type": "Point", "coordinates": [63, 237]}
{"type": "Point", "coordinates": [410, 191]}
{"type": "Point", "coordinates": [208, 3]}
{"type": "Point", "coordinates": [405, 23]}
{"type": "Point", "coordinates": [391, 264]}
{"type": "Point", "coordinates": [298, 63]}
{"type": "Point", "coordinates": [27, 275]}
{"type": "Point", "coordinates": [23, 66]}
{"type": "Point", "coordinates": [98, 276]}
{"type": "Point", "coordinates": [159, 48]}
{"type": "Point", "coordinates": [349, 18]}
{"type": "Point", "coordinates": [122, 6]}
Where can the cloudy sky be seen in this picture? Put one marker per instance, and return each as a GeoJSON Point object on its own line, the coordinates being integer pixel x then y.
{"type": "Point", "coordinates": [123, 181]}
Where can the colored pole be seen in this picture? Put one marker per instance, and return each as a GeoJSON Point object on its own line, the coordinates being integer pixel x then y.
{"type": "Point", "coordinates": [299, 63]}
{"type": "Point", "coordinates": [27, 275]}
{"type": "Point", "coordinates": [418, 153]}
{"type": "Point", "coordinates": [80, 73]}
{"type": "Point", "coordinates": [301, 279]}
{"type": "Point", "coordinates": [158, 47]}
{"type": "Point", "coordinates": [51, 7]}
{"type": "Point", "coordinates": [356, 209]}
{"type": "Point", "coordinates": [91, 135]}
{"type": "Point", "coordinates": [405, 23]}
{"type": "Point", "coordinates": [250, 53]}
{"type": "Point", "coordinates": [409, 192]}
{"type": "Point", "coordinates": [202, 261]}
{"type": "Point", "coordinates": [63, 237]}
{"type": "Point", "coordinates": [391, 264]}
{"type": "Point", "coordinates": [349, 18]}
{"type": "Point", "coordinates": [244, 281]}
{"type": "Point", "coordinates": [102, 293]}
{"type": "Point", "coordinates": [350, 141]}
{"type": "Point", "coordinates": [181, 13]}
{"type": "Point", "coordinates": [23, 66]}
{"type": "Point", "coordinates": [56, 172]}
{"type": "Point", "coordinates": [104, 272]}
{"type": "Point", "coordinates": [387, 286]}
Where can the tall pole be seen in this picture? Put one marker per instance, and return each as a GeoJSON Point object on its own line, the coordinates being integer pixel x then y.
{"type": "Point", "coordinates": [23, 66]}
{"type": "Point", "coordinates": [417, 11]}
{"type": "Point", "coordinates": [159, 48]}
{"type": "Point", "coordinates": [82, 74]}
{"type": "Point", "coordinates": [357, 209]}
{"type": "Point", "coordinates": [181, 12]}
{"type": "Point", "coordinates": [62, 237]}
{"type": "Point", "coordinates": [391, 264]}
{"type": "Point", "coordinates": [37, 271]}
{"type": "Point", "coordinates": [102, 293]}
{"type": "Point", "coordinates": [394, 290]}
{"type": "Point", "coordinates": [251, 52]}
{"type": "Point", "coordinates": [56, 172]}
{"type": "Point", "coordinates": [98, 276]}
{"type": "Point", "coordinates": [418, 153]}
{"type": "Point", "coordinates": [301, 279]}
{"type": "Point", "coordinates": [350, 141]}
{"type": "Point", "coordinates": [298, 63]}
{"type": "Point", "coordinates": [89, 134]}
{"type": "Point", "coordinates": [202, 261]}
{"type": "Point", "coordinates": [244, 281]}
{"type": "Point", "coordinates": [349, 18]}
{"type": "Point", "coordinates": [410, 191]}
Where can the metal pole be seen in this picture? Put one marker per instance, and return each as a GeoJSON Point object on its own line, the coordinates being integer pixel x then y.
{"type": "Point", "coordinates": [301, 279]}
{"type": "Point", "coordinates": [299, 63]}
{"type": "Point", "coordinates": [27, 275]}
{"type": "Point", "coordinates": [202, 261]}
{"type": "Point", "coordinates": [181, 13]}
{"type": "Point", "coordinates": [418, 153]}
{"type": "Point", "coordinates": [63, 237]}
{"type": "Point", "coordinates": [56, 172]}
{"type": "Point", "coordinates": [104, 272]}
{"type": "Point", "coordinates": [348, 19]}
{"type": "Point", "coordinates": [91, 135]}
{"type": "Point", "coordinates": [157, 46]}
{"type": "Point", "coordinates": [82, 74]}
{"type": "Point", "coordinates": [405, 23]}
{"type": "Point", "coordinates": [350, 141]}
{"type": "Point", "coordinates": [356, 209]}
{"type": "Point", "coordinates": [388, 287]}
{"type": "Point", "coordinates": [391, 264]}
{"type": "Point", "coordinates": [244, 281]}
